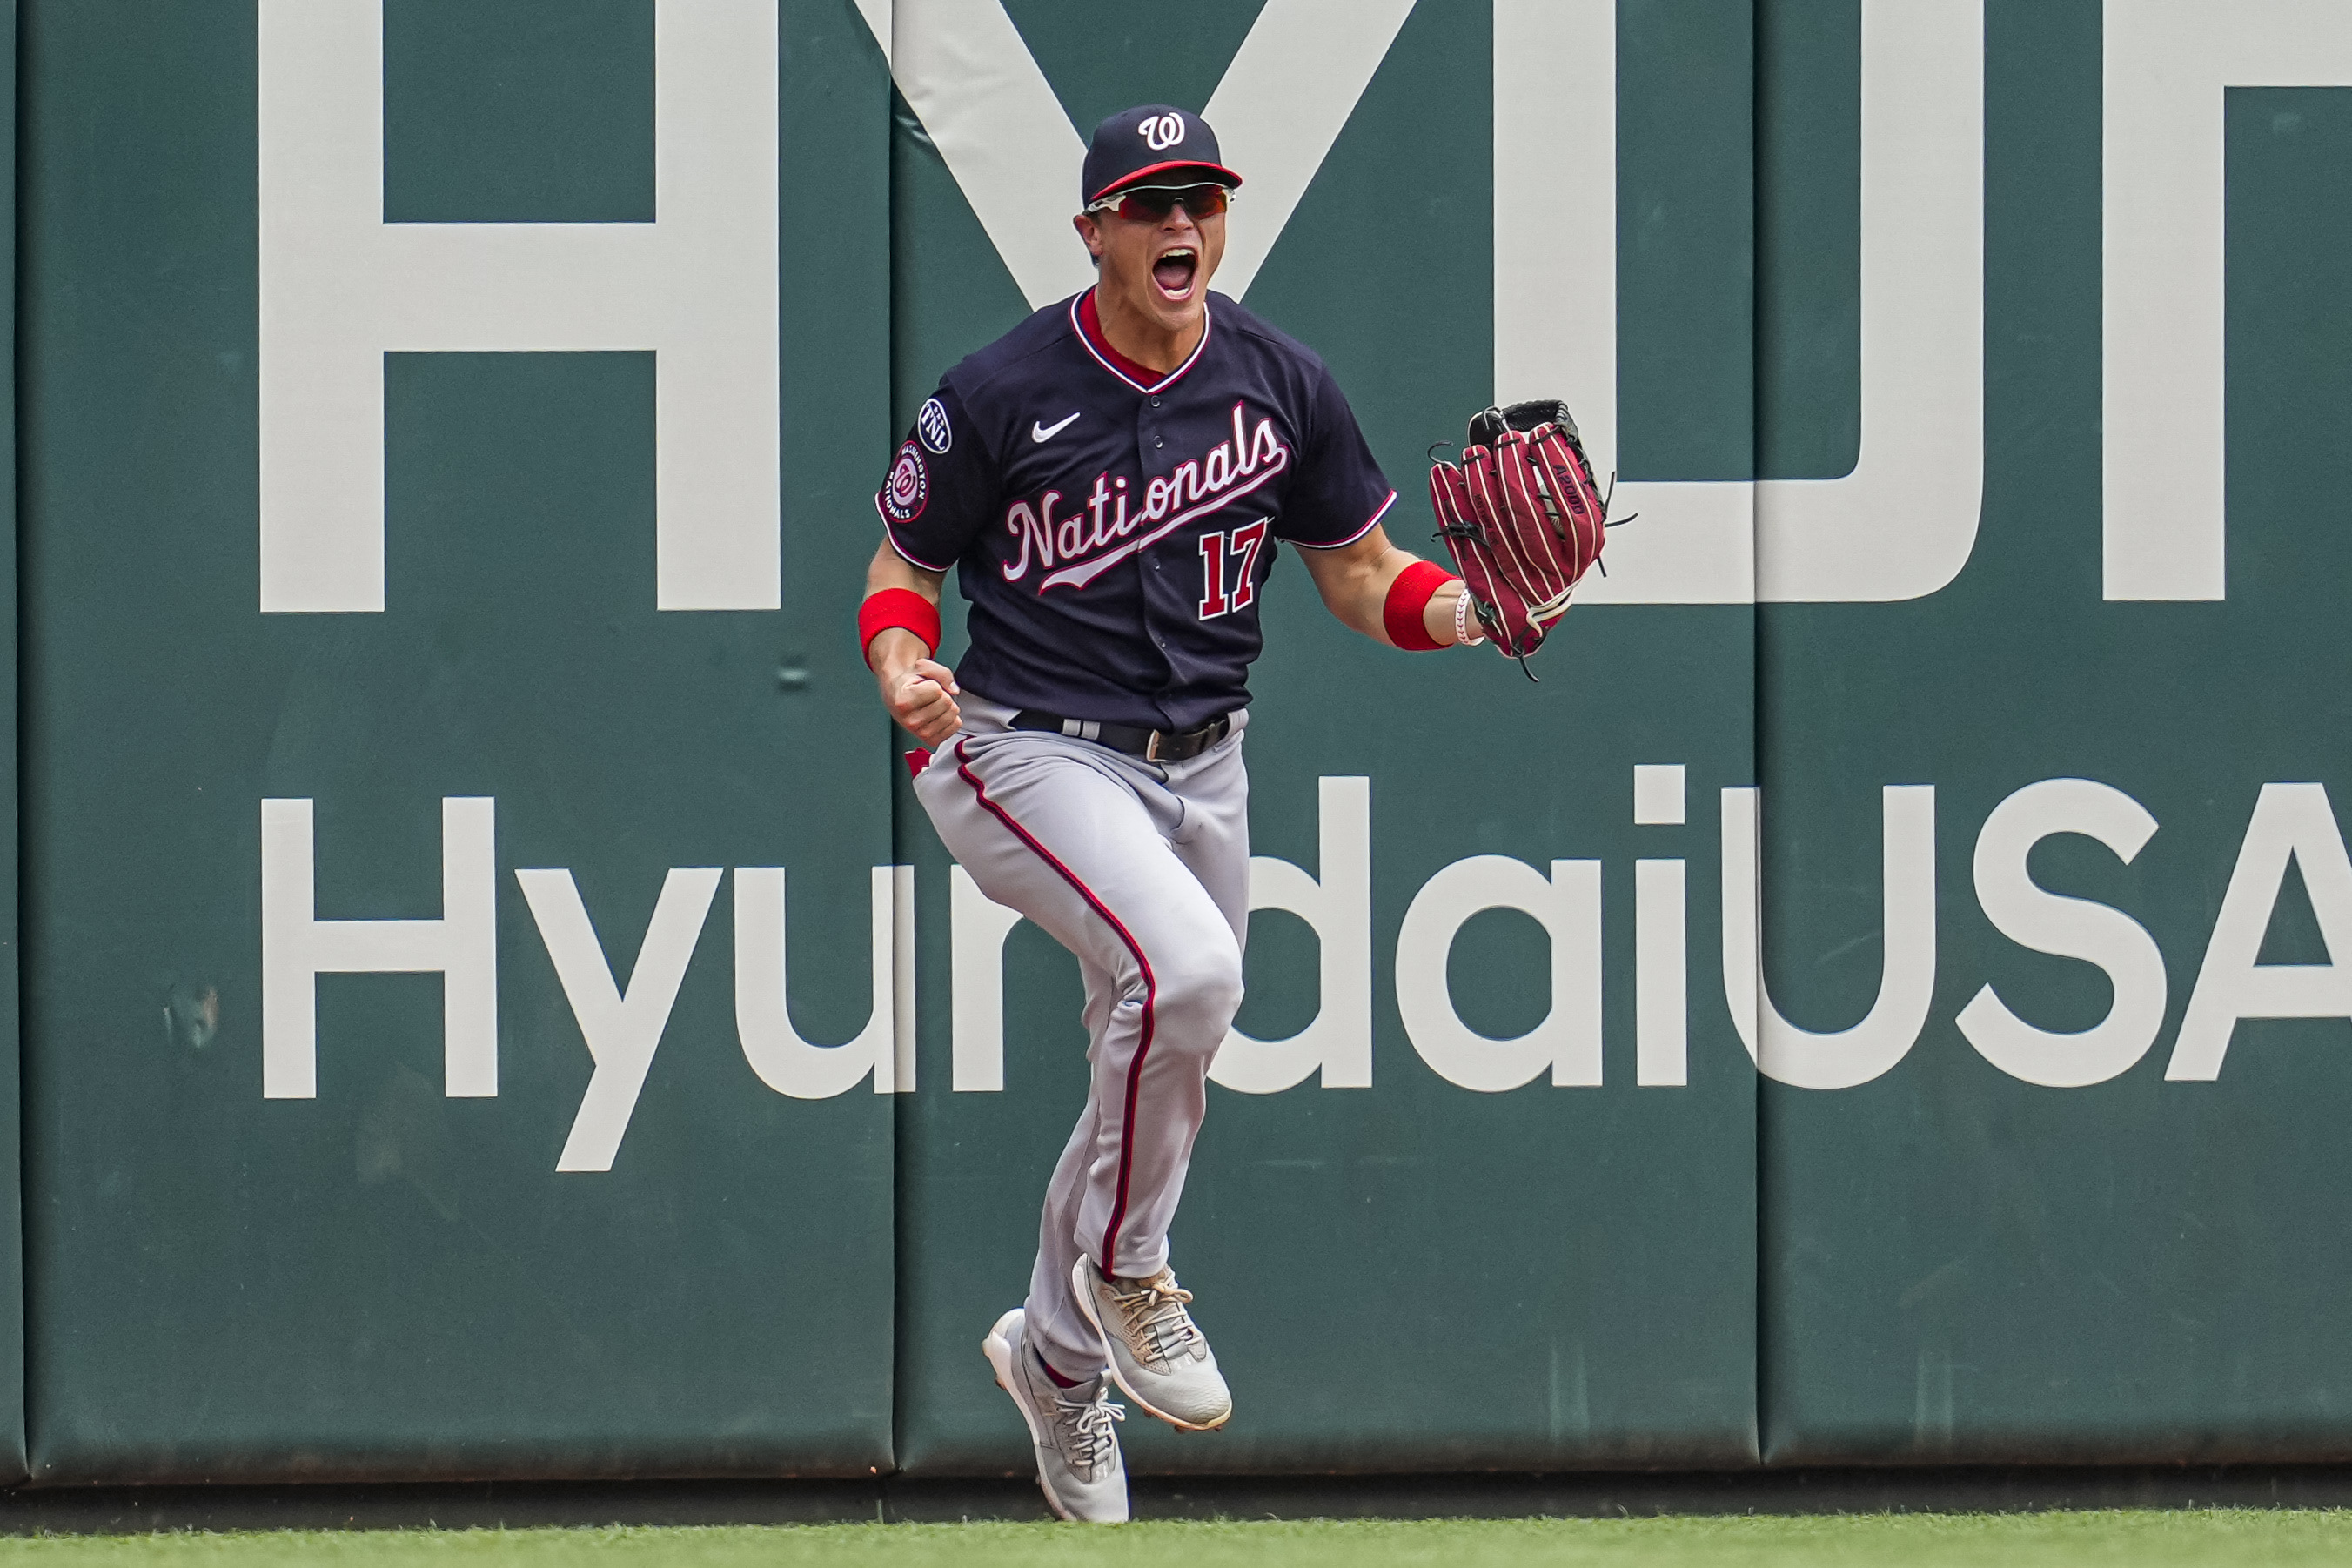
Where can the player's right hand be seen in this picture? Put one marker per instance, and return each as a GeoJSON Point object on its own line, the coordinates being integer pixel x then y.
{"type": "Point", "coordinates": [921, 698]}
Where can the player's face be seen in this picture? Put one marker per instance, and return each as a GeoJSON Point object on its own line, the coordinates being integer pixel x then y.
{"type": "Point", "coordinates": [1159, 267]}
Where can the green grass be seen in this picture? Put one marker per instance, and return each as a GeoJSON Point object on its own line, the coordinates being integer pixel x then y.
{"type": "Point", "coordinates": [2155, 1539]}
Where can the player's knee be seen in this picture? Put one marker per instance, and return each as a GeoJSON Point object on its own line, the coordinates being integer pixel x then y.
{"type": "Point", "coordinates": [1200, 990]}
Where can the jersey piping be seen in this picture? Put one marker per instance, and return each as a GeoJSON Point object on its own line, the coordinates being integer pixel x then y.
{"type": "Point", "coordinates": [901, 550]}
{"type": "Point", "coordinates": [1370, 522]}
{"type": "Point", "coordinates": [1208, 325]}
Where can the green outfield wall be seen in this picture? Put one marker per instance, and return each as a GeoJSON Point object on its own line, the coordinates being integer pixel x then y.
{"type": "Point", "coordinates": [491, 1004]}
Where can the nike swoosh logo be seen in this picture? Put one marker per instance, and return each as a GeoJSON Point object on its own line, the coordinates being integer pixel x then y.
{"type": "Point", "coordinates": [1041, 432]}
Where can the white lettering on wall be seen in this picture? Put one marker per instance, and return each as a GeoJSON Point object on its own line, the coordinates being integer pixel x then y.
{"type": "Point", "coordinates": [340, 288]}
{"type": "Point", "coordinates": [2291, 822]}
{"type": "Point", "coordinates": [1907, 985]}
{"type": "Point", "coordinates": [1338, 1041]}
{"type": "Point", "coordinates": [978, 926]}
{"type": "Point", "coordinates": [621, 1029]}
{"type": "Point", "coordinates": [789, 1064]}
{"type": "Point", "coordinates": [1661, 945]}
{"type": "Point", "coordinates": [622, 1025]}
{"type": "Point", "coordinates": [461, 946]}
{"type": "Point", "coordinates": [2096, 933]}
{"type": "Point", "coordinates": [2167, 63]}
{"type": "Point", "coordinates": [1568, 907]}
{"type": "Point", "coordinates": [1661, 975]}
{"type": "Point", "coordinates": [1903, 522]}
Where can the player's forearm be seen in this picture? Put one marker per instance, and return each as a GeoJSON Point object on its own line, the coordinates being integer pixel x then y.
{"type": "Point", "coordinates": [1360, 600]}
{"type": "Point", "coordinates": [892, 653]}
{"type": "Point", "coordinates": [918, 693]}
{"type": "Point", "coordinates": [1438, 615]}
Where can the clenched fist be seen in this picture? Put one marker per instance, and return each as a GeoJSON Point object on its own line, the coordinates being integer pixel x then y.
{"type": "Point", "coordinates": [920, 691]}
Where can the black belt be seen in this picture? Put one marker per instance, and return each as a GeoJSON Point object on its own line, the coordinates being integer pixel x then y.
{"type": "Point", "coordinates": [1151, 745]}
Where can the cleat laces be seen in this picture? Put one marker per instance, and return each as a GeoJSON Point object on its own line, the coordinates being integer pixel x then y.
{"type": "Point", "coordinates": [1158, 1328]}
{"type": "Point", "coordinates": [1088, 1440]}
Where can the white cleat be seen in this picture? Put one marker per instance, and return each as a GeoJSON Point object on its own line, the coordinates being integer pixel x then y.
{"type": "Point", "coordinates": [1157, 1352]}
{"type": "Point", "coordinates": [1079, 1466]}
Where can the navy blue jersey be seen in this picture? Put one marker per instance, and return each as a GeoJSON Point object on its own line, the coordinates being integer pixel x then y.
{"type": "Point", "coordinates": [1110, 529]}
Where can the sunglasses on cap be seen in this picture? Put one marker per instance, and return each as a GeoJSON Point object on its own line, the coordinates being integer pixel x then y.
{"type": "Point", "coordinates": [1153, 204]}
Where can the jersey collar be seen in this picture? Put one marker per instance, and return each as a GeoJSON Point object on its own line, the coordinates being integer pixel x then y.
{"type": "Point", "coordinates": [1086, 322]}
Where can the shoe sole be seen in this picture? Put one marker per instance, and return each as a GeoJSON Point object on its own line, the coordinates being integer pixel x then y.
{"type": "Point", "coordinates": [998, 1348]}
{"type": "Point", "coordinates": [1084, 1293]}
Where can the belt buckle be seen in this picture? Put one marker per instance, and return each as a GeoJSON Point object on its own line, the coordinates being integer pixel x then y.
{"type": "Point", "coordinates": [1151, 746]}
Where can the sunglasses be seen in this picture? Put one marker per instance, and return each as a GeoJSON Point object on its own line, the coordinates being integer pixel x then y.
{"type": "Point", "coordinates": [1153, 204]}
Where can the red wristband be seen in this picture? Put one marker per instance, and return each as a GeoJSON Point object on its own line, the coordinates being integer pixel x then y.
{"type": "Point", "coordinates": [897, 607]}
{"type": "Point", "coordinates": [1408, 601]}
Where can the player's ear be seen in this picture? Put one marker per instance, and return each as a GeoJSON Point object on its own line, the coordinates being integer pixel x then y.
{"type": "Point", "coordinates": [1090, 233]}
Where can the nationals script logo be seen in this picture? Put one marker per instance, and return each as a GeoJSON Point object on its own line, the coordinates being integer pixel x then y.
{"type": "Point", "coordinates": [1091, 538]}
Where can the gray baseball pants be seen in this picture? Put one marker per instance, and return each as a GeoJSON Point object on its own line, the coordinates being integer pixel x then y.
{"type": "Point", "coordinates": [1142, 870]}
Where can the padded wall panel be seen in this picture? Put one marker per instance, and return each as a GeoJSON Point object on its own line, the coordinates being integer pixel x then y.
{"type": "Point", "coordinates": [12, 1251]}
{"type": "Point", "coordinates": [1980, 1255]}
{"type": "Point", "coordinates": [384, 1280]}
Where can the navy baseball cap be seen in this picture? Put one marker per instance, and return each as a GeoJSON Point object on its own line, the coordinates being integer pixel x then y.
{"type": "Point", "coordinates": [1139, 145]}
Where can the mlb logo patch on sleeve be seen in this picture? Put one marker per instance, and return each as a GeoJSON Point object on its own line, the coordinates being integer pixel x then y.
{"type": "Point", "coordinates": [932, 424]}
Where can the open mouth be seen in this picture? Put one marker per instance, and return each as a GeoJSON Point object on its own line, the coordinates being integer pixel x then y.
{"type": "Point", "coordinates": [1174, 272]}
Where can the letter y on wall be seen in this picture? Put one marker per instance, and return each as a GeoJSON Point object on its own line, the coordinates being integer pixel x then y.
{"type": "Point", "coordinates": [621, 1028]}
{"type": "Point", "coordinates": [964, 70]}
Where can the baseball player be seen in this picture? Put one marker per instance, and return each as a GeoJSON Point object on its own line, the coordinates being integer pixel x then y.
{"type": "Point", "coordinates": [1110, 482]}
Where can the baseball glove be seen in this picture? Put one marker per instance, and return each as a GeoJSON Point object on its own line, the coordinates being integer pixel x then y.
{"type": "Point", "coordinates": [1523, 520]}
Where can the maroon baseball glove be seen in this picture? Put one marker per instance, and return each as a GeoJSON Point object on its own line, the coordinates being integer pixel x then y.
{"type": "Point", "coordinates": [1523, 519]}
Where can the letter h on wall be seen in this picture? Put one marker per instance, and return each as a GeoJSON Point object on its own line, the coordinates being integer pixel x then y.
{"type": "Point", "coordinates": [340, 288]}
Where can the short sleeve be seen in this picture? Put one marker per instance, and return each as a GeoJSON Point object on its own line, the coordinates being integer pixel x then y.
{"type": "Point", "coordinates": [940, 487]}
{"type": "Point", "coordinates": [1340, 492]}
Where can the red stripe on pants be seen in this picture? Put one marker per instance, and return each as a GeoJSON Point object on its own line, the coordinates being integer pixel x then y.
{"type": "Point", "coordinates": [1151, 991]}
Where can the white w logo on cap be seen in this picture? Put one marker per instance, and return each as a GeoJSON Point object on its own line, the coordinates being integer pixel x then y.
{"type": "Point", "coordinates": [1162, 131]}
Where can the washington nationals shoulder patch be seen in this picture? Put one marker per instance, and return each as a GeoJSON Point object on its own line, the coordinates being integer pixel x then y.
{"type": "Point", "coordinates": [909, 485]}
